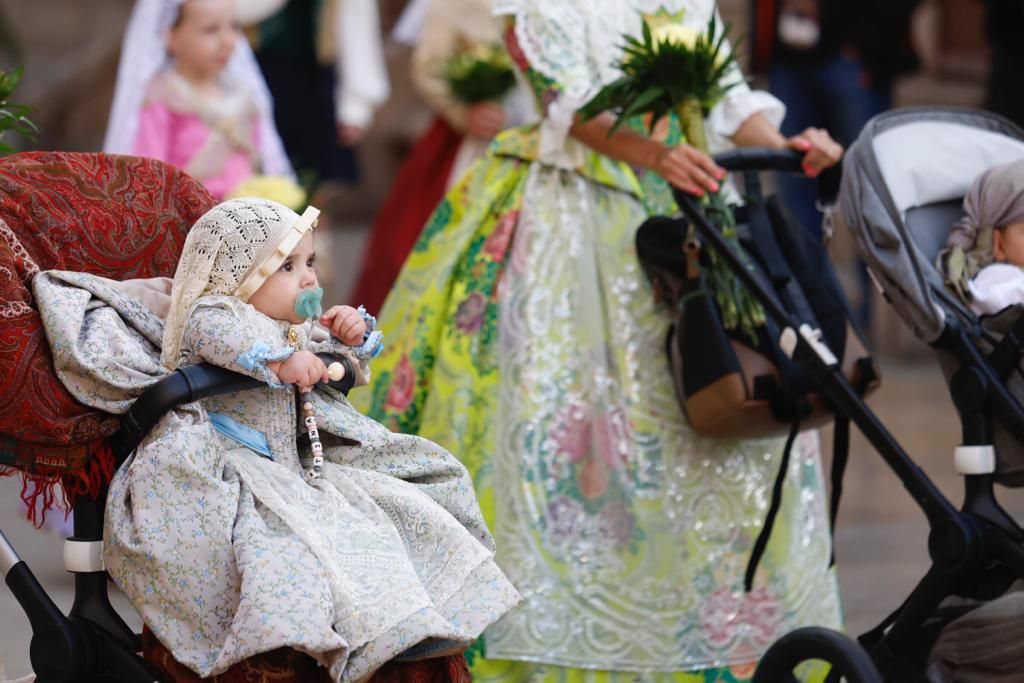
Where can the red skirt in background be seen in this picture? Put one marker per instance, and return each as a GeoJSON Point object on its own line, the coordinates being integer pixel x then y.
{"type": "Point", "coordinates": [415, 194]}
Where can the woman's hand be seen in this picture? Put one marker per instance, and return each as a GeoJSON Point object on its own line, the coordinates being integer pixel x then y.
{"type": "Point", "coordinates": [302, 368]}
{"type": "Point", "coordinates": [689, 169]}
{"type": "Point", "coordinates": [684, 166]}
{"type": "Point", "coordinates": [485, 120]}
{"type": "Point", "coordinates": [820, 150]}
{"type": "Point", "coordinates": [345, 323]}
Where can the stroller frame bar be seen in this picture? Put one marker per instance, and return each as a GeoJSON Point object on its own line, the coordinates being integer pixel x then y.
{"type": "Point", "coordinates": [8, 555]}
{"type": "Point", "coordinates": [826, 375]}
{"type": "Point", "coordinates": [976, 551]}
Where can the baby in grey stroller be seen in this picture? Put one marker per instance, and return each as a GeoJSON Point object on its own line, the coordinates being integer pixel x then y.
{"type": "Point", "coordinates": [985, 254]}
{"type": "Point", "coordinates": [903, 185]}
{"type": "Point", "coordinates": [911, 177]}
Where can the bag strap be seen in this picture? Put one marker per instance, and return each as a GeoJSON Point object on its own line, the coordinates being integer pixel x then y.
{"type": "Point", "coordinates": [773, 509]}
{"type": "Point", "coordinates": [763, 235]}
{"type": "Point", "coordinates": [790, 388]}
{"type": "Point", "coordinates": [841, 447]}
{"type": "Point", "coordinates": [840, 456]}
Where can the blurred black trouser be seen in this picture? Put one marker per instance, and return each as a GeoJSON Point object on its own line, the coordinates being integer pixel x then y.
{"type": "Point", "coordinates": [1005, 94]}
{"type": "Point", "coordinates": [303, 92]}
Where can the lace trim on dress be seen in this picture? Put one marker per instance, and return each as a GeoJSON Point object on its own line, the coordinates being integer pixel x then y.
{"type": "Point", "coordinates": [740, 104]}
{"type": "Point", "coordinates": [373, 340]}
{"type": "Point", "coordinates": [576, 42]}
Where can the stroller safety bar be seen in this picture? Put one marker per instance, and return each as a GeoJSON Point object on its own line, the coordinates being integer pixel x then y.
{"type": "Point", "coordinates": [192, 383]}
{"type": "Point", "coordinates": [184, 385]}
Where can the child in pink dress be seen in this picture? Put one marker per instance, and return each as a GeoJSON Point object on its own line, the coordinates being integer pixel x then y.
{"type": "Point", "coordinates": [189, 93]}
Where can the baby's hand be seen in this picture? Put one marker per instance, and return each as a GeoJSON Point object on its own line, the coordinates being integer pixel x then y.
{"type": "Point", "coordinates": [345, 323]}
{"type": "Point", "coordinates": [302, 368]}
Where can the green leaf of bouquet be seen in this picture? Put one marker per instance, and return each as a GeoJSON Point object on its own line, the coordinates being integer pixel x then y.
{"type": "Point", "coordinates": [647, 97]}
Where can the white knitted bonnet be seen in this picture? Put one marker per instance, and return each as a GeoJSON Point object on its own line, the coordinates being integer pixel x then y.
{"type": "Point", "coordinates": [231, 250]}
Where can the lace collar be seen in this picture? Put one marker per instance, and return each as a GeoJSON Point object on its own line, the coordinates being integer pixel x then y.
{"type": "Point", "coordinates": [576, 43]}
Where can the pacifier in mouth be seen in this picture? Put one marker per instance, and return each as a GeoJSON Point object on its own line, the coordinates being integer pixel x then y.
{"type": "Point", "coordinates": [307, 303]}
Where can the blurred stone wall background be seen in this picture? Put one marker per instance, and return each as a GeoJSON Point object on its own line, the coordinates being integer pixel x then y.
{"type": "Point", "coordinates": [70, 50]}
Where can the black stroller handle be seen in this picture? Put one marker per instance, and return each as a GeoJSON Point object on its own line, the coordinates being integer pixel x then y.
{"type": "Point", "coordinates": [192, 383]}
{"type": "Point", "coordinates": [761, 159]}
{"type": "Point", "coordinates": [750, 160]}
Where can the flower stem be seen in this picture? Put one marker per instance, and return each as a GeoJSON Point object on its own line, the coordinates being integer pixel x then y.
{"type": "Point", "coordinates": [691, 120]}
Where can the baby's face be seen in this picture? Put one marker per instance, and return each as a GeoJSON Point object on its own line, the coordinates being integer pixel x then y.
{"type": "Point", "coordinates": [1008, 244]}
{"type": "Point", "coordinates": [276, 297]}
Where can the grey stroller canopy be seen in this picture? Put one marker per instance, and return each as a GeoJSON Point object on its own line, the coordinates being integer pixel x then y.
{"type": "Point", "coordinates": [903, 185]}
{"type": "Point", "coordinates": [904, 180]}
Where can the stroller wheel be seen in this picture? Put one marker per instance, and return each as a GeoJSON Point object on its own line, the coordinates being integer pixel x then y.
{"type": "Point", "coordinates": [849, 661]}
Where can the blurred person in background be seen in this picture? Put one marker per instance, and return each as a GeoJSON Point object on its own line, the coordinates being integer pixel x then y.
{"type": "Point", "coordinates": [1004, 25]}
{"type": "Point", "coordinates": [324, 64]}
{"type": "Point", "coordinates": [190, 93]}
{"type": "Point", "coordinates": [833, 64]}
{"type": "Point", "coordinates": [459, 133]}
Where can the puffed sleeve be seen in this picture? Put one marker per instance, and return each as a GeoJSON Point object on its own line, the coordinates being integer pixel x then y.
{"type": "Point", "coordinates": [363, 84]}
{"type": "Point", "coordinates": [739, 104]}
{"type": "Point", "coordinates": [232, 336]}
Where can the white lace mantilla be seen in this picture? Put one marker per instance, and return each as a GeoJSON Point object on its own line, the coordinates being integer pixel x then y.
{"type": "Point", "coordinates": [577, 43]}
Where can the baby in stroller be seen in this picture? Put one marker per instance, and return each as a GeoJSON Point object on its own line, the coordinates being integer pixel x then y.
{"type": "Point", "coordinates": [230, 539]}
{"type": "Point", "coordinates": [903, 184]}
{"type": "Point", "coordinates": [906, 181]}
{"type": "Point", "coordinates": [984, 257]}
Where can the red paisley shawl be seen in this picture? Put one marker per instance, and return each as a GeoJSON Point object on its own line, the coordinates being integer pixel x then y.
{"type": "Point", "coordinates": [117, 216]}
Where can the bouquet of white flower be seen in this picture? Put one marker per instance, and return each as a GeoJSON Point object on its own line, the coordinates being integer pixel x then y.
{"type": "Point", "coordinates": [673, 68]}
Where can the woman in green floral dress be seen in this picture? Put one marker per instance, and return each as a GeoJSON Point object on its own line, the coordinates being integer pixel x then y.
{"type": "Point", "coordinates": [523, 337]}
